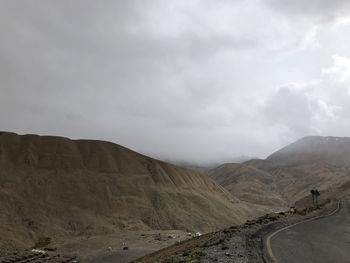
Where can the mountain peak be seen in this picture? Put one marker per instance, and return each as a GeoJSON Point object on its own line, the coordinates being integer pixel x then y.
{"type": "Point", "coordinates": [328, 149]}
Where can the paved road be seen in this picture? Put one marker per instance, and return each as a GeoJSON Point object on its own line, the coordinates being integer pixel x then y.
{"type": "Point", "coordinates": [321, 240]}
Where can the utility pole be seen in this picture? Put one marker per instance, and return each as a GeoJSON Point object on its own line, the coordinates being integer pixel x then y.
{"type": "Point", "coordinates": [317, 193]}
{"type": "Point", "coordinates": [313, 197]}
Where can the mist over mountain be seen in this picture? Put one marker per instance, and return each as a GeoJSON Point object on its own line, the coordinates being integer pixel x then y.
{"type": "Point", "coordinates": [159, 78]}
{"type": "Point", "coordinates": [205, 166]}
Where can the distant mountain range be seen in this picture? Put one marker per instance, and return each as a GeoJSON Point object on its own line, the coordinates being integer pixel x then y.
{"type": "Point", "coordinates": [290, 173]}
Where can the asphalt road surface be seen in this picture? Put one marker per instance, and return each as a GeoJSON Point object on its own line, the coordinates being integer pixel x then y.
{"type": "Point", "coordinates": [321, 240]}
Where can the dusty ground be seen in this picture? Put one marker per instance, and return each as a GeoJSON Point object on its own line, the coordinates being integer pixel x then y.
{"type": "Point", "coordinates": [109, 248]}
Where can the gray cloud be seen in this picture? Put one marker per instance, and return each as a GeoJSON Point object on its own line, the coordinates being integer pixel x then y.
{"type": "Point", "coordinates": [292, 109]}
{"type": "Point", "coordinates": [321, 10]}
{"type": "Point", "coordinates": [198, 81]}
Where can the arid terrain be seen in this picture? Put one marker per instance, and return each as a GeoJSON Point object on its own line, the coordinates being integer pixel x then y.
{"type": "Point", "coordinates": [54, 188]}
{"type": "Point", "coordinates": [111, 247]}
{"type": "Point", "coordinates": [106, 203]}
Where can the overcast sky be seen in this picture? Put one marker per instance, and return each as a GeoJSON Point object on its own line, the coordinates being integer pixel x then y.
{"type": "Point", "coordinates": [201, 81]}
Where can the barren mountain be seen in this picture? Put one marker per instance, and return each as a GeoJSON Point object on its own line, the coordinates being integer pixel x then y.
{"type": "Point", "coordinates": [311, 162]}
{"type": "Point", "coordinates": [289, 174]}
{"type": "Point", "coordinates": [57, 187]}
{"type": "Point", "coordinates": [334, 151]}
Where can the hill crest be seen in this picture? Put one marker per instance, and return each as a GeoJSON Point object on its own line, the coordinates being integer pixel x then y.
{"type": "Point", "coordinates": [53, 186]}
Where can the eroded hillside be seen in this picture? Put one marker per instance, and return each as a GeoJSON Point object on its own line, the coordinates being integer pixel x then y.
{"type": "Point", "coordinates": [53, 186]}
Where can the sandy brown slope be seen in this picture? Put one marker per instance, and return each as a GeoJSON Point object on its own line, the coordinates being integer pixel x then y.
{"type": "Point", "coordinates": [248, 184]}
{"type": "Point", "coordinates": [53, 186]}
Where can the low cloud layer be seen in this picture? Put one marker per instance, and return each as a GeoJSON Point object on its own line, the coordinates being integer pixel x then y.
{"type": "Point", "coordinates": [199, 81]}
